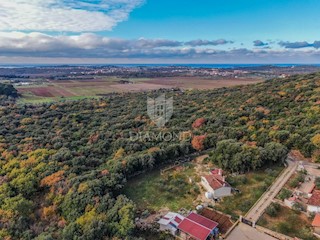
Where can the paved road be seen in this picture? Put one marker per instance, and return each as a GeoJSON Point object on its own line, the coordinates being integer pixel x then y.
{"type": "Point", "coordinates": [245, 232]}
{"type": "Point", "coordinates": [255, 213]}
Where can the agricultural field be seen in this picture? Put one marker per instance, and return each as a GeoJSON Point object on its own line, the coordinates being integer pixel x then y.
{"type": "Point", "coordinates": [55, 90]}
{"type": "Point", "coordinates": [287, 221]}
{"type": "Point", "coordinates": [251, 186]}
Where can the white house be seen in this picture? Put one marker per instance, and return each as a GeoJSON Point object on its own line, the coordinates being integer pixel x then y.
{"type": "Point", "coordinates": [313, 204]}
{"type": "Point", "coordinates": [216, 185]}
{"type": "Point", "coordinates": [170, 222]}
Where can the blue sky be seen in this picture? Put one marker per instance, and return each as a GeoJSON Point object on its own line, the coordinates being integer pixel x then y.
{"type": "Point", "coordinates": [241, 21]}
{"type": "Point", "coordinates": [160, 31]}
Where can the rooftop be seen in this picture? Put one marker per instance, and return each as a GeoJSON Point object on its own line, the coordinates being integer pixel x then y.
{"type": "Point", "coordinates": [171, 218]}
{"type": "Point", "coordinates": [314, 200]}
{"type": "Point", "coordinates": [216, 181]}
{"type": "Point", "coordinates": [197, 226]}
{"type": "Point", "coordinates": [316, 221]}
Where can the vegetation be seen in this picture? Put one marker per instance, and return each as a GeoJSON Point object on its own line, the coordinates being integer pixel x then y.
{"type": "Point", "coordinates": [171, 190]}
{"type": "Point", "coordinates": [273, 209]}
{"type": "Point", "coordinates": [8, 90]}
{"type": "Point", "coordinates": [251, 186]}
{"type": "Point", "coordinates": [285, 221]}
{"type": "Point", "coordinates": [63, 164]}
{"type": "Point", "coordinates": [300, 178]}
{"type": "Point", "coordinates": [284, 194]}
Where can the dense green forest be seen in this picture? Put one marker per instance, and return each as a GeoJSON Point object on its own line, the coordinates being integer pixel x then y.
{"type": "Point", "coordinates": [8, 90]}
{"type": "Point", "coordinates": [62, 164]}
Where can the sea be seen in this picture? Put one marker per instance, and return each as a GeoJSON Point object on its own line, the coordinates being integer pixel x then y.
{"type": "Point", "coordinates": [217, 66]}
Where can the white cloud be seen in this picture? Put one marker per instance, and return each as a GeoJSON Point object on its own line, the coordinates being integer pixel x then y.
{"type": "Point", "coordinates": [64, 15]}
{"type": "Point", "coordinates": [92, 46]}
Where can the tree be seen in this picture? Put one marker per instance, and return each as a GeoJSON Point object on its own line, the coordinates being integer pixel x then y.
{"type": "Point", "coordinates": [316, 140]}
{"type": "Point", "coordinates": [284, 194]}
{"type": "Point", "coordinates": [198, 142]}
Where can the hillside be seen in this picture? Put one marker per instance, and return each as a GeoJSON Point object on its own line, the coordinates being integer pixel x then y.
{"type": "Point", "coordinates": [62, 163]}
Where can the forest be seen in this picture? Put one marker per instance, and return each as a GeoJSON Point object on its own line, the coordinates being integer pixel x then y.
{"type": "Point", "coordinates": [8, 90]}
{"type": "Point", "coordinates": [63, 164]}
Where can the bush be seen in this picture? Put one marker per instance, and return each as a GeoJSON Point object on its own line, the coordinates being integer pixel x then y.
{"type": "Point", "coordinates": [284, 194]}
{"type": "Point", "coordinates": [273, 209]}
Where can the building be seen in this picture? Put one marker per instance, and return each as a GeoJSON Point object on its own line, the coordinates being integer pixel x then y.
{"type": "Point", "coordinates": [215, 184]}
{"type": "Point", "coordinates": [197, 227]}
{"type": "Point", "coordinates": [170, 222]}
{"type": "Point", "coordinates": [316, 224]}
{"type": "Point", "coordinates": [313, 204]}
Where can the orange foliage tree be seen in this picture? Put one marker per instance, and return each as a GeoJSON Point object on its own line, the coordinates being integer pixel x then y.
{"type": "Point", "coordinates": [199, 122]}
{"type": "Point", "coordinates": [198, 142]}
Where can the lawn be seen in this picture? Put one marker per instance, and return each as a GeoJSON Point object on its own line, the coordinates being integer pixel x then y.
{"type": "Point", "coordinates": [252, 186]}
{"type": "Point", "coordinates": [172, 190]}
{"type": "Point", "coordinates": [288, 222]}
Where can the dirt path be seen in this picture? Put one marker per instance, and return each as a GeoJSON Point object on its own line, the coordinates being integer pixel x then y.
{"type": "Point", "coordinates": [258, 209]}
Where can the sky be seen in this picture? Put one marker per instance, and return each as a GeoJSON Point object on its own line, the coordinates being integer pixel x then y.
{"type": "Point", "coordinates": [159, 31]}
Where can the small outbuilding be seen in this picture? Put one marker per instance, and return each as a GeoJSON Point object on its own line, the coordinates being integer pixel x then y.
{"type": "Point", "coordinates": [313, 204]}
{"type": "Point", "coordinates": [170, 222]}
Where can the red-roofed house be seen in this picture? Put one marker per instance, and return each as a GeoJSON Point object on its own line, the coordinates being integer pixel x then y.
{"type": "Point", "coordinates": [316, 224]}
{"type": "Point", "coordinates": [198, 227]}
{"type": "Point", "coordinates": [215, 184]}
{"type": "Point", "coordinates": [314, 202]}
{"type": "Point", "coordinates": [170, 222]}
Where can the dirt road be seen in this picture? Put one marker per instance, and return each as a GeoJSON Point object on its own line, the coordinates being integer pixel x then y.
{"type": "Point", "coordinates": [255, 213]}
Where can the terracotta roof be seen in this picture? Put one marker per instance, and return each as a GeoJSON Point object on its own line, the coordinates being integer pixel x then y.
{"type": "Point", "coordinates": [316, 221]}
{"type": "Point", "coordinates": [197, 226]}
{"type": "Point", "coordinates": [315, 198]}
{"type": "Point", "coordinates": [215, 181]}
{"type": "Point", "coordinates": [217, 171]}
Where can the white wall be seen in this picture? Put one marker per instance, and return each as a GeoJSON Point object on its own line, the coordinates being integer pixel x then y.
{"type": "Point", "coordinates": [314, 209]}
{"type": "Point", "coordinates": [218, 193]}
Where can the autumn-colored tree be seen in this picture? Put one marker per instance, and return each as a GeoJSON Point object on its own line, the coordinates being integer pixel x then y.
{"type": "Point", "coordinates": [52, 179]}
{"type": "Point", "coordinates": [316, 140]}
{"type": "Point", "coordinates": [120, 153]}
{"type": "Point", "coordinates": [198, 142]}
{"type": "Point", "coordinates": [199, 122]}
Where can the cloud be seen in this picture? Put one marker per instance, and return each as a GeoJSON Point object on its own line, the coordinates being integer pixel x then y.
{"type": "Point", "coordinates": [200, 42]}
{"type": "Point", "coordinates": [20, 45]}
{"type": "Point", "coordinates": [259, 43]}
{"type": "Point", "coordinates": [64, 15]}
{"type": "Point", "coordinates": [304, 44]}
{"type": "Point", "coordinates": [295, 44]}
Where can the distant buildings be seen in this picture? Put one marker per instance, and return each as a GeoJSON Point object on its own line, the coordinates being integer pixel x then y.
{"type": "Point", "coordinates": [215, 185]}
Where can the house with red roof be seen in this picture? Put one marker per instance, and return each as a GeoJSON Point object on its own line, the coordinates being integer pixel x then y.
{"type": "Point", "coordinates": [215, 184]}
{"type": "Point", "coordinates": [313, 204]}
{"type": "Point", "coordinates": [316, 224]}
{"type": "Point", "coordinates": [197, 227]}
{"type": "Point", "coordinates": [170, 222]}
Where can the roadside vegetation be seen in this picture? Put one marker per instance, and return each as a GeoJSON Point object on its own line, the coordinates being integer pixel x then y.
{"type": "Point", "coordinates": [63, 164]}
{"type": "Point", "coordinates": [286, 221]}
{"type": "Point", "coordinates": [251, 186]}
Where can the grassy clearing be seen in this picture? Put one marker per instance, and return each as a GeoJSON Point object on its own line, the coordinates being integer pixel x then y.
{"type": "Point", "coordinates": [252, 186]}
{"type": "Point", "coordinates": [289, 222]}
{"type": "Point", "coordinates": [171, 190]}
